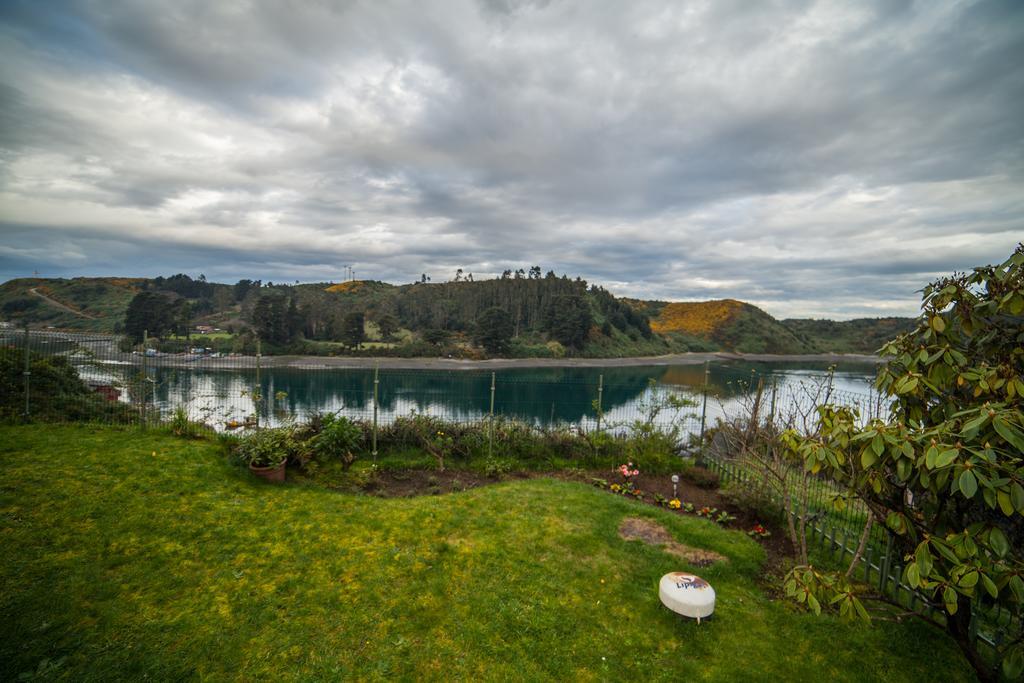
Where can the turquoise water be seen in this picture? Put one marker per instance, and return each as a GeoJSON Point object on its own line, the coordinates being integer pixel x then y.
{"type": "Point", "coordinates": [540, 395]}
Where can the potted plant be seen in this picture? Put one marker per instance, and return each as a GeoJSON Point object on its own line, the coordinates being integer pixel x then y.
{"type": "Point", "coordinates": [266, 452]}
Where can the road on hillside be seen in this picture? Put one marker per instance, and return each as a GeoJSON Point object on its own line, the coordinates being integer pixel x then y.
{"type": "Point", "coordinates": [57, 304]}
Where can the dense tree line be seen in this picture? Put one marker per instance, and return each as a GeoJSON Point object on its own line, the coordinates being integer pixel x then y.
{"type": "Point", "coordinates": [184, 286]}
{"type": "Point", "coordinates": [493, 313]}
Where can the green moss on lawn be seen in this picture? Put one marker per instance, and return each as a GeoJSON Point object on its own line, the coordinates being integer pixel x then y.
{"type": "Point", "coordinates": [131, 555]}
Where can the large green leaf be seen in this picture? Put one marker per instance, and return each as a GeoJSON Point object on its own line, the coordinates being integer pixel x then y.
{"type": "Point", "coordinates": [946, 457]}
{"type": "Point", "coordinates": [1017, 496]}
{"type": "Point", "coordinates": [1005, 504]}
{"type": "Point", "coordinates": [1009, 433]}
{"type": "Point", "coordinates": [968, 484]}
{"type": "Point", "coordinates": [924, 559]}
{"type": "Point", "coordinates": [997, 540]}
{"type": "Point", "coordinates": [868, 458]}
{"type": "Point", "coordinates": [990, 586]}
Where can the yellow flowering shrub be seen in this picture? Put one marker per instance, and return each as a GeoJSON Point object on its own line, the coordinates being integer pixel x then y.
{"type": "Point", "coordinates": [700, 318]}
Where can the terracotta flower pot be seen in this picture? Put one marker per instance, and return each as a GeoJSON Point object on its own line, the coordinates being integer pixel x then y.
{"type": "Point", "coordinates": [273, 473]}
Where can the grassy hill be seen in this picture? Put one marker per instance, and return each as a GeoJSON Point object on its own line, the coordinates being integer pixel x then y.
{"type": "Point", "coordinates": [439, 318]}
{"type": "Point", "coordinates": [863, 335]}
{"type": "Point", "coordinates": [89, 304]}
{"type": "Point", "coordinates": [728, 324]}
{"type": "Point", "coordinates": [144, 557]}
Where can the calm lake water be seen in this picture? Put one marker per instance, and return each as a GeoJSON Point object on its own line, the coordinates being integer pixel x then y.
{"type": "Point", "coordinates": [543, 396]}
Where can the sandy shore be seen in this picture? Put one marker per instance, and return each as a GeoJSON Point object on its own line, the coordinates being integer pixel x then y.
{"type": "Point", "coordinates": [311, 362]}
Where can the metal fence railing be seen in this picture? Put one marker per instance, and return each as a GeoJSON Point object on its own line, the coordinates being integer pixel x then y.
{"type": "Point", "coordinates": [60, 376]}
{"type": "Point", "coordinates": [72, 377]}
{"type": "Point", "coordinates": [835, 533]}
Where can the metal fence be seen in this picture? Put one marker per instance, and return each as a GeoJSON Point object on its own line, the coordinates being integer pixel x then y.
{"type": "Point", "coordinates": [225, 392]}
{"type": "Point", "coordinates": [835, 534]}
{"type": "Point", "coordinates": [72, 377]}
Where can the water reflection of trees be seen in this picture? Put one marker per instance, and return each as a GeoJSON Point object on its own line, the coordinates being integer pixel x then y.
{"type": "Point", "coordinates": [541, 395]}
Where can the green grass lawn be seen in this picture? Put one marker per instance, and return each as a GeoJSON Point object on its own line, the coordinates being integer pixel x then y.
{"type": "Point", "coordinates": [130, 556]}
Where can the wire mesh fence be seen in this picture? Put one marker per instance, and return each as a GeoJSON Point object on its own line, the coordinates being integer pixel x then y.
{"type": "Point", "coordinates": [75, 377]}
{"type": "Point", "coordinates": [68, 377]}
{"type": "Point", "coordinates": [835, 530]}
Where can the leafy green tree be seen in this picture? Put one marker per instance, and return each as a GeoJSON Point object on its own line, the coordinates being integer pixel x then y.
{"type": "Point", "coordinates": [568, 320]}
{"type": "Point", "coordinates": [494, 330]}
{"type": "Point", "coordinates": [182, 312]}
{"type": "Point", "coordinates": [58, 393]}
{"type": "Point", "coordinates": [295, 320]}
{"type": "Point", "coordinates": [20, 305]}
{"type": "Point", "coordinates": [149, 312]}
{"type": "Point", "coordinates": [353, 330]}
{"type": "Point", "coordinates": [436, 336]}
{"type": "Point", "coordinates": [388, 325]}
{"type": "Point", "coordinates": [946, 469]}
{"type": "Point", "coordinates": [270, 319]}
{"type": "Point", "coordinates": [242, 288]}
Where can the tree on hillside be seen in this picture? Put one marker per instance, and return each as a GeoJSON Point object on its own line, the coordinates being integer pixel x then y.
{"type": "Point", "coordinates": [271, 321]}
{"type": "Point", "coordinates": [568, 320]}
{"type": "Point", "coordinates": [494, 330]}
{"type": "Point", "coordinates": [436, 336]}
{"type": "Point", "coordinates": [353, 329]}
{"type": "Point", "coordinates": [295, 322]}
{"type": "Point", "coordinates": [388, 325]}
{"type": "Point", "coordinates": [183, 285]}
{"type": "Point", "coordinates": [182, 322]}
{"type": "Point", "coordinates": [149, 313]}
{"type": "Point", "coordinates": [242, 288]}
{"type": "Point", "coordinates": [945, 471]}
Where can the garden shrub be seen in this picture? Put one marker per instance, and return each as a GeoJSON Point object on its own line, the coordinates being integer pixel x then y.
{"type": "Point", "coordinates": [57, 393]}
{"type": "Point", "coordinates": [338, 438]}
{"type": "Point", "coordinates": [754, 502]}
{"type": "Point", "coordinates": [271, 446]}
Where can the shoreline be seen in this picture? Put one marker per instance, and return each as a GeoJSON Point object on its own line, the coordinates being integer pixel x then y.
{"type": "Point", "coordinates": [423, 363]}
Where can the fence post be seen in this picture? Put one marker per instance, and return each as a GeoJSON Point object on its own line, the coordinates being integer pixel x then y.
{"type": "Point", "coordinates": [490, 426]}
{"type": "Point", "coordinates": [258, 398]}
{"type": "Point", "coordinates": [600, 397]}
{"type": "Point", "coordinates": [703, 413]}
{"type": "Point", "coordinates": [376, 385]}
{"type": "Point", "coordinates": [27, 373]}
{"type": "Point", "coordinates": [886, 564]}
{"type": "Point", "coordinates": [145, 377]}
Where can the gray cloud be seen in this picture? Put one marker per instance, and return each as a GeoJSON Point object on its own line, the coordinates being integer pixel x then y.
{"type": "Point", "coordinates": [815, 158]}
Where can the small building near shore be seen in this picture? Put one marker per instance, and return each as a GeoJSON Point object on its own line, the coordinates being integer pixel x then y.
{"type": "Point", "coordinates": [107, 391]}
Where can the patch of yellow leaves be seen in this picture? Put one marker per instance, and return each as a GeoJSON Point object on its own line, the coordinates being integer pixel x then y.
{"type": "Point", "coordinates": [700, 318]}
{"type": "Point", "coordinates": [351, 286]}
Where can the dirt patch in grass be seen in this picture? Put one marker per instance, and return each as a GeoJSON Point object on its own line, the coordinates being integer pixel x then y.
{"type": "Point", "coordinates": [652, 533]}
{"type": "Point", "coordinates": [419, 482]}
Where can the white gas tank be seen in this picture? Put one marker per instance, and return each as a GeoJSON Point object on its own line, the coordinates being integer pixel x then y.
{"type": "Point", "coordinates": [687, 594]}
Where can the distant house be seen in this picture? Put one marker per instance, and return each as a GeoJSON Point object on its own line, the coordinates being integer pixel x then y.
{"type": "Point", "coordinates": [107, 391]}
{"type": "Point", "coordinates": [204, 329]}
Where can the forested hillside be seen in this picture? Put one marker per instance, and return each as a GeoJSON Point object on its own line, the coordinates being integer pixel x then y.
{"type": "Point", "coordinates": [862, 335]}
{"type": "Point", "coordinates": [519, 314]}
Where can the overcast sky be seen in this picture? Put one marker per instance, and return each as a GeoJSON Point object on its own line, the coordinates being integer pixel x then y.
{"type": "Point", "coordinates": [819, 159]}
